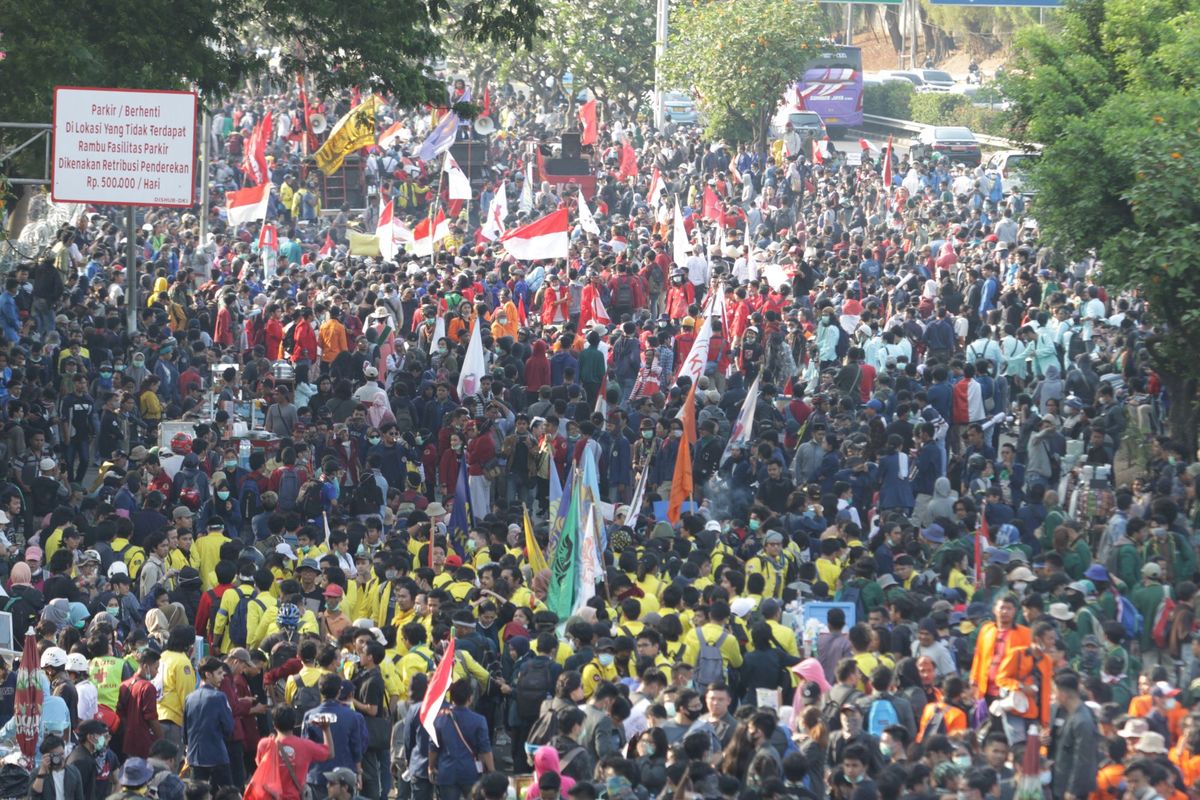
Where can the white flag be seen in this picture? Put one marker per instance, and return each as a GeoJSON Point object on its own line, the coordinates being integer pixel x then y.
{"type": "Point", "coordinates": [590, 568]}
{"type": "Point", "coordinates": [740, 434]}
{"type": "Point", "coordinates": [679, 240]}
{"type": "Point", "coordinates": [460, 187]}
{"type": "Point", "coordinates": [439, 333]}
{"type": "Point", "coordinates": [525, 205]}
{"type": "Point", "coordinates": [656, 189]}
{"type": "Point", "coordinates": [473, 366]}
{"type": "Point", "coordinates": [586, 220]}
{"type": "Point", "coordinates": [697, 357]}
{"type": "Point", "coordinates": [497, 213]}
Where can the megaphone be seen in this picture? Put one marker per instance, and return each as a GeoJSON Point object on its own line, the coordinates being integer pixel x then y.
{"type": "Point", "coordinates": [317, 123]}
{"type": "Point", "coordinates": [484, 126]}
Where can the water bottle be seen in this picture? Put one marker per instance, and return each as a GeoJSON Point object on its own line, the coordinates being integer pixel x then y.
{"type": "Point", "coordinates": [244, 453]}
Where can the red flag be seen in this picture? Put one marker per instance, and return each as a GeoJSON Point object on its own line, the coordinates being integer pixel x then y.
{"type": "Point", "coordinates": [435, 695]}
{"type": "Point", "coordinates": [681, 478]}
{"type": "Point", "coordinates": [712, 205]}
{"type": "Point", "coordinates": [587, 118]}
{"type": "Point", "coordinates": [981, 540]}
{"type": "Point", "coordinates": [887, 164]}
{"type": "Point", "coordinates": [268, 238]}
{"type": "Point", "coordinates": [864, 144]}
{"type": "Point", "coordinates": [487, 101]}
{"type": "Point", "coordinates": [521, 310]}
{"type": "Point", "coordinates": [254, 160]}
{"type": "Point", "coordinates": [27, 702]}
{"type": "Point", "coordinates": [327, 248]}
{"type": "Point", "coordinates": [355, 97]}
{"type": "Point", "coordinates": [310, 140]}
{"type": "Point", "coordinates": [629, 165]}
{"type": "Point", "coordinates": [818, 152]}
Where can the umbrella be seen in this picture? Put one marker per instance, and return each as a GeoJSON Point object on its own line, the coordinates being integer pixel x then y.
{"type": "Point", "coordinates": [1029, 784]}
{"type": "Point", "coordinates": [27, 703]}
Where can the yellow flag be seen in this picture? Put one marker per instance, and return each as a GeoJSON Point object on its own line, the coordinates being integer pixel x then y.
{"type": "Point", "coordinates": [355, 130]}
{"type": "Point", "coordinates": [362, 244]}
{"type": "Point", "coordinates": [537, 560]}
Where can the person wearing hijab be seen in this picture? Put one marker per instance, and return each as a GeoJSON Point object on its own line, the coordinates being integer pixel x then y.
{"type": "Point", "coordinates": [545, 760]}
{"type": "Point", "coordinates": [157, 627]}
{"type": "Point", "coordinates": [59, 612]}
{"type": "Point", "coordinates": [28, 605]}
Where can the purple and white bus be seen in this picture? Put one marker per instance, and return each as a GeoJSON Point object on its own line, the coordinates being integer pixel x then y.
{"type": "Point", "coordinates": [832, 86]}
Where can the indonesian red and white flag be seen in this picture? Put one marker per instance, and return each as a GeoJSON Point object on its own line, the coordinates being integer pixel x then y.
{"type": "Point", "coordinates": [586, 220]}
{"type": "Point", "coordinates": [680, 244]}
{"type": "Point", "coordinates": [388, 246]}
{"type": "Point", "coordinates": [599, 312]}
{"type": "Point", "coordinates": [426, 236]}
{"type": "Point", "coordinates": [544, 238]}
{"type": "Point", "coordinates": [818, 148]}
{"type": "Point", "coordinates": [474, 367]}
{"type": "Point", "coordinates": [435, 695]}
{"type": "Point", "coordinates": [391, 135]}
{"type": "Point", "coordinates": [493, 226]}
{"type": "Point", "coordinates": [887, 165]}
{"type": "Point", "coordinates": [327, 248]}
{"type": "Point", "coordinates": [656, 189]}
{"type": "Point", "coordinates": [587, 118]}
{"type": "Point", "coordinates": [247, 205]}
{"type": "Point", "coordinates": [456, 179]}
{"type": "Point", "coordinates": [629, 162]}
{"type": "Point", "coordinates": [740, 435]}
{"type": "Point", "coordinates": [863, 144]}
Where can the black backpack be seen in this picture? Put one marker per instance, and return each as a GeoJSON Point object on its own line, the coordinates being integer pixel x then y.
{"type": "Point", "coordinates": [250, 499]}
{"type": "Point", "coordinates": [843, 342]}
{"type": "Point", "coordinates": [623, 296]}
{"type": "Point", "coordinates": [366, 497]}
{"type": "Point", "coordinates": [533, 687]}
{"type": "Point", "coordinates": [309, 503]}
{"type": "Point", "coordinates": [306, 697]}
{"type": "Point", "coordinates": [289, 339]}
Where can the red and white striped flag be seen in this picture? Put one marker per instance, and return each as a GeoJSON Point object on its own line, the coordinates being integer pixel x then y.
{"type": "Point", "coordinates": [435, 695]}
{"type": "Point", "coordinates": [247, 205]}
{"type": "Point", "coordinates": [327, 248]}
{"type": "Point", "coordinates": [543, 238]}
{"type": "Point", "coordinates": [425, 236]}
{"type": "Point", "coordinates": [656, 189]}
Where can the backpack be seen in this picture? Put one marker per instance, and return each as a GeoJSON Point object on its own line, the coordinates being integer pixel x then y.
{"type": "Point", "coordinates": [366, 497]}
{"type": "Point", "coordinates": [881, 715]}
{"type": "Point", "coordinates": [214, 604]}
{"type": "Point", "coordinates": [837, 697]}
{"type": "Point", "coordinates": [239, 619]}
{"type": "Point", "coordinates": [1160, 632]}
{"type": "Point", "coordinates": [843, 343]}
{"type": "Point", "coordinates": [533, 687]}
{"type": "Point", "coordinates": [129, 555]}
{"type": "Point", "coordinates": [309, 503]}
{"type": "Point", "coordinates": [191, 491]}
{"type": "Point", "coordinates": [289, 339]}
{"type": "Point", "coordinates": [710, 665]}
{"type": "Point", "coordinates": [623, 296]}
{"type": "Point", "coordinates": [403, 417]}
{"type": "Point", "coordinates": [936, 726]}
{"type": "Point", "coordinates": [306, 697]}
{"type": "Point", "coordinates": [250, 499]}
{"type": "Point", "coordinates": [654, 280]}
{"type": "Point", "coordinates": [544, 729]}
{"type": "Point", "coordinates": [853, 594]}
{"type": "Point", "coordinates": [289, 489]}
{"type": "Point", "coordinates": [1129, 617]}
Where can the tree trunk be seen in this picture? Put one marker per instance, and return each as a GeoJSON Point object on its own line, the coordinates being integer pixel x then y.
{"type": "Point", "coordinates": [1182, 417]}
{"type": "Point", "coordinates": [891, 19]}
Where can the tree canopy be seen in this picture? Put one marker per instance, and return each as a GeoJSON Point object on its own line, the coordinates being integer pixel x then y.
{"type": "Point", "coordinates": [739, 56]}
{"type": "Point", "coordinates": [216, 45]}
{"type": "Point", "coordinates": [1113, 96]}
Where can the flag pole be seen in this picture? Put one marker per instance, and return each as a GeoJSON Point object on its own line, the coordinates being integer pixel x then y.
{"type": "Point", "coordinates": [437, 199]}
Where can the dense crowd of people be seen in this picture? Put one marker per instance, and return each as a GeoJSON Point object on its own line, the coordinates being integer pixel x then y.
{"type": "Point", "coordinates": [938, 542]}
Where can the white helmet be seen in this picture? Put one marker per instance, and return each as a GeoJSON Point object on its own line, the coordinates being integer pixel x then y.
{"type": "Point", "coordinates": [54, 657]}
{"type": "Point", "coordinates": [77, 662]}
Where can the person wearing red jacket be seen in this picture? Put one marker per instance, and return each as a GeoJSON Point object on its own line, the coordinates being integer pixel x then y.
{"type": "Point", "coordinates": [223, 328]}
{"type": "Point", "coordinates": [556, 302]}
{"type": "Point", "coordinates": [481, 456]}
{"type": "Point", "coordinates": [680, 295]}
{"type": "Point", "coordinates": [537, 368]}
{"type": "Point", "coordinates": [305, 347]}
{"type": "Point", "coordinates": [274, 333]}
{"type": "Point", "coordinates": [449, 467]}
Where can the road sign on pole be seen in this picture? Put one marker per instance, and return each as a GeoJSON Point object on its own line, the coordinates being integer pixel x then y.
{"type": "Point", "coordinates": [124, 147]}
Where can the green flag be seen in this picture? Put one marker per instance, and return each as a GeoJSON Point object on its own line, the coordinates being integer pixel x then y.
{"type": "Point", "coordinates": [564, 570]}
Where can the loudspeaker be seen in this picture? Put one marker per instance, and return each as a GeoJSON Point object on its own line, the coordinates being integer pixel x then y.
{"type": "Point", "coordinates": [570, 144]}
{"type": "Point", "coordinates": [472, 157]}
{"type": "Point", "coordinates": [567, 166]}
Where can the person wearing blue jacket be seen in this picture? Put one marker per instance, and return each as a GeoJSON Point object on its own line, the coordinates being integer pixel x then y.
{"type": "Point", "coordinates": [207, 724]}
{"type": "Point", "coordinates": [895, 488]}
{"type": "Point", "coordinates": [929, 466]}
{"type": "Point", "coordinates": [617, 461]}
{"type": "Point", "coordinates": [348, 730]}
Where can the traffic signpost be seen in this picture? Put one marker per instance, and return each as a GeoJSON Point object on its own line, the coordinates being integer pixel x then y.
{"type": "Point", "coordinates": [124, 147]}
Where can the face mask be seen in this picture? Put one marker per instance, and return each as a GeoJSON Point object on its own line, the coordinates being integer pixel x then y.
{"type": "Point", "coordinates": [331, 606]}
{"type": "Point", "coordinates": [885, 750]}
{"type": "Point", "coordinates": [649, 750]}
{"type": "Point", "coordinates": [472, 545]}
{"type": "Point", "coordinates": [106, 374]}
{"type": "Point", "coordinates": [856, 778]}
{"type": "Point", "coordinates": [677, 434]}
{"type": "Point", "coordinates": [224, 495]}
{"type": "Point", "coordinates": [443, 350]}
{"type": "Point", "coordinates": [669, 708]}
{"type": "Point", "coordinates": [754, 524]}
{"type": "Point", "coordinates": [1020, 586]}
{"type": "Point", "coordinates": [390, 574]}
{"type": "Point", "coordinates": [231, 464]}
{"type": "Point", "coordinates": [691, 714]}
{"type": "Point", "coordinates": [1169, 703]}
{"type": "Point", "coordinates": [962, 761]}
{"type": "Point", "coordinates": [137, 362]}
{"type": "Point", "coordinates": [113, 610]}
{"type": "Point", "coordinates": [606, 659]}
{"type": "Point", "coordinates": [647, 434]}
{"type": "Point", "coordinates": [101, 742]}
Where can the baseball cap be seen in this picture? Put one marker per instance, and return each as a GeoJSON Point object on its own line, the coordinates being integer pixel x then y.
{"type": "Point", "coordinates": [342, 775]}
{"type": "Point", "coordinates": [333, 590]}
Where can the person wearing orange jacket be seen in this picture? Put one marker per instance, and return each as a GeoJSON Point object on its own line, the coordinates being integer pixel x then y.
{"type": "Point", "coordinates": [1111, 777]}
{"type": "Point", "coordinates": [1027, 673]}
{"type": "Point", "coordinates": [332, 336]}
{"type": "Point", "coordinates": [944, 716]}
{"type": "Point", "coordinates": [995, 640]}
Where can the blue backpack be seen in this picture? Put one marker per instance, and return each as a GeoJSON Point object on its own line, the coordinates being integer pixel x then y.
{"type": "Point", "coordinates": [881, 716]}
{"type": "Point", "coordinates": [1129, 617]}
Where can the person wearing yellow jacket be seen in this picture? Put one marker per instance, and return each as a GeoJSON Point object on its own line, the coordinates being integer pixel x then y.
{"type": "Point", "coordinates": [223, 626]}
{"type": "Point", "coordinates": [258, 615]}
{"type": "Point", "coordinates": [208, 551]}
{"type": "Point", "coordinates": [602, 667]}
{"type": "Point", "coordinates": [718, 618]}
{"type": "Point", "coordinates": [417, 658]}
{"type": "Point", "coordinates": [771, 564]}
{"type": "Point", "coordinates": [305, 620]}
{"type": "Point", "coordinates": [310, 673]}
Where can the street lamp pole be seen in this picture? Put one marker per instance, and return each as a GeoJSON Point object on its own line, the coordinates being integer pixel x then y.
{"type": "Point", "coordinates": [660, 49]}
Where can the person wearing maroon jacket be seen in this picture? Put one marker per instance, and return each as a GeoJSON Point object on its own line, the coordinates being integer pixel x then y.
{"type": "Point", "coordinates": [137, 706]}
{"type": "Point", "coordinates": [482, 452]}
{"type": "Point", "coordinates": [305, 338]}
{"type": "Point", "coordinates": [245, 726]}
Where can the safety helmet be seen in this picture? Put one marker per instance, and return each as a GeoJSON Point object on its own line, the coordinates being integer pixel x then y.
{"type": "Point", "coordinates": [181, 444]}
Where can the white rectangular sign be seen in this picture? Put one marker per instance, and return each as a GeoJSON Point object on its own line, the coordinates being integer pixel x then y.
{"type": "Point", "coordinates": [124, 147]}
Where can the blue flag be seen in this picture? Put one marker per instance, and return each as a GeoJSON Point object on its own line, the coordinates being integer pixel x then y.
{"type": "Point", "coordinates": [460, 514]}
{"type": "Point", "coordinates": [591, 491]}
{"type": "Point", "coordinates": [997, 192]}
{"type": "Point", "coordinates": [440, 138]}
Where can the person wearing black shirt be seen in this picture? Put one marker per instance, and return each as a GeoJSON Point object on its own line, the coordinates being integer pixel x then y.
{"type": "Point", "coordinates": [776, 489]}
{"type": "Point", "coordinates": [75, 411]}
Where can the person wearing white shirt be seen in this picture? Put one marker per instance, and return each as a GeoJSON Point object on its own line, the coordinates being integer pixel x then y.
{"type": "Point", "coordinates": [698, 270]}
{"type": "Point", "coordinates": [984, 347]}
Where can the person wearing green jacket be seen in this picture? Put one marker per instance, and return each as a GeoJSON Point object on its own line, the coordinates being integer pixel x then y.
{"type": "Point", "coordinates": [1147, 598]}
{"type": "Point", "coordinates": [592, 367]}
{"type": "Point", "coordinates": [1054, 517]}
{"type": "Point", "coordinates": [1126, 559]}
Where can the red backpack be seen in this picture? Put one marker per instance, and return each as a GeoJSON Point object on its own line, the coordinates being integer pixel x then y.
{"type": "Point", "coordinates": [1161, 631]}
{"type": "Point", "coordinates": [960, 410]}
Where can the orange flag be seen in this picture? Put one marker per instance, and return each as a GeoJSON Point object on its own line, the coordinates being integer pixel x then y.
{"type": "Point", "coordinates": [681, 479]}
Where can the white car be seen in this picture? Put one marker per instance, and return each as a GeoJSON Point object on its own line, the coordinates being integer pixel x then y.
{"type": "Point", "coordinates": [936, 80]}
{"type": "Point", "coordinates": [1012, 166]}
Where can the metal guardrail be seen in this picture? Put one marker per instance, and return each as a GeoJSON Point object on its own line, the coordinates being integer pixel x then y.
{"type": "Point", "coordinates": [908, 126]}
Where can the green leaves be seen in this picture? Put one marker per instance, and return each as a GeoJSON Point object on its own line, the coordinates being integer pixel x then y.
{"type": "Point", "coordinates": [738, 57]}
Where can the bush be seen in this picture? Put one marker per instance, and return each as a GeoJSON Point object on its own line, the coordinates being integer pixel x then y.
{"type": "Point", "coordinates": [892, 99]}
{"type": "Point", "coordinates": [957, 110]}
